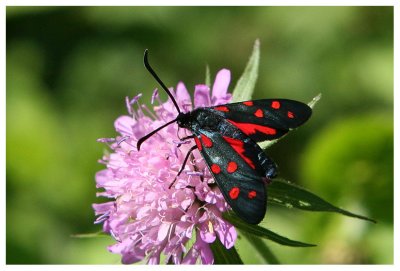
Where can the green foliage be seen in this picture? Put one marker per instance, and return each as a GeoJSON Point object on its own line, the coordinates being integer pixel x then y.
{"type": "Point", "coordinates": [262, 249]}
{"type": "Point", "coordinates": [361, 147]}
{"type": "Point", "coordinates": [244, 88]}
{"type": "Point", "coordinates": [223, 255]}
{"type": "Point", "coordinates": [91, 235]}
{"type": "Point", "coordinates": [261, 232]}
{"type": "Point", "coordinates": [279, 191]}
{"type": "Point", "coordinates": [290, 195]}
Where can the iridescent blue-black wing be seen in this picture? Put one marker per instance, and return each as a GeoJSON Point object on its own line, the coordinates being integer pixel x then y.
{"type": "Point", "coordinates": [239, 167]}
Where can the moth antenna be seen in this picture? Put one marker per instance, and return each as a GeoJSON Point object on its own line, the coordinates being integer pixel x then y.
{"type": "Point", "coordinates": [143, 139]}
{"type": "Point", "coordinates": [153, 73]}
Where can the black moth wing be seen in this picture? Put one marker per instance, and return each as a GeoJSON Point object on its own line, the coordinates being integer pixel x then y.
{"type": "Point", "coordinates": [239, 167]}
{"type": "Point", "coordinates": [266, 119]}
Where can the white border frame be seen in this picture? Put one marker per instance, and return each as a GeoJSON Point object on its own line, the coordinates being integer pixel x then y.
{"type": "Point", "coordinates": [3, 5]}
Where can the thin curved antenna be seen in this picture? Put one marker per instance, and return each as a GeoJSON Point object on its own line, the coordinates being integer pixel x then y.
{"type": "Point", "coordinates": [143, 139]}
{"type": "Point", "coordinates": [150, 69]}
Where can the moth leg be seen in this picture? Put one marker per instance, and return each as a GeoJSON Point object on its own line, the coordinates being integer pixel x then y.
{"type": "Point", "coordinates": [188, 137]}
{"type": "Point", "coordinates": [184, 138]}
{"type": "Point", "coordinates": [184, 164]}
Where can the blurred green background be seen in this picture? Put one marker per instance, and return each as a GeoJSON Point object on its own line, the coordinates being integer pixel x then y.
{"type": "Point", "coordinates": [70, 68]}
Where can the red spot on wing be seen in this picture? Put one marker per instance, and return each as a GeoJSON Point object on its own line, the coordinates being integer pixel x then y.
{"type": "Point", "coordinates": [232, 167]}
{"type": "Point", "coordinates": [250, 128]}
{"type": "Point", "coordinates": [222, 108]}
{"type": "Point", "coordinates": [215, 168]}
{"type": "Point", "coordinates": [234, 192]}
{"type": "Point", "coordinates": [276, 105]}
{"type": "Point", "coordinates": [259, 113]}
{"type": "Point", "coordinates": [252, 194]}
{"type": "Point", "coordinates": [206, 141]}
{"type": "Point", "coordinates": [290, 115]}
{"type": "Point", "coordinates": [238, 146]}
{"type": "Point", "coordinates": [198, 143]}
{"type": "Point", "coordinates": [248, 103]}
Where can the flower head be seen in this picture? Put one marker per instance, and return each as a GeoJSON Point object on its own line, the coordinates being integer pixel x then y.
{"type": "Point", "coordinates": [146, 217]}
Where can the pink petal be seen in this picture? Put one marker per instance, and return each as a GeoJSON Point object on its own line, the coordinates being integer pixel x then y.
{"type": "Point", "coordinates": [163, 231]}
{"type": "Point", "coordinates": [207, 256]}
{"type": "Point", "coordinates": [124, 124]}
{"type": "Point", "coordinates": [221, 83]}
{"type": "Point", "coordinates": [129, 254]}
{"type": "Point", "coordinates": [226, 233]}
{"type": "Point", "coordinates": [151, 196]}
{"type": "Point", "coordinates": [128, 258]}
{"type": "Point", "coordinates": [181, 92]}
{"type": "Point", "coordinates": [211, 197]}
{"type": "Point", "coordinates": [184, 198]}
{"type": "Point", "coordinates": [154, 258]}
{"type": "Point", "coordinates": [189, 231]}
{"type": "Point", "coordinates": [190, 258]}
{"type": "Point", "coordinates": [202, 96]}
{"type": "Point", "coordinates": [207, 233]}
{"type": "Point", "coordinates": [103, 177]}
{"type": "Point", "coordinates": [169, 104]}
{"type": "Point", "coordinates": [199, 248]}
{"type": "Point", "coordinates": [102, 208]}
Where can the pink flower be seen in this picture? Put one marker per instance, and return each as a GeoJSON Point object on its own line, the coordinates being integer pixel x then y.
{"type": "Point", "coordinates": [144, 215]}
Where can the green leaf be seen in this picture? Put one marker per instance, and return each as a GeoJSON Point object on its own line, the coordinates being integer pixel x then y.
{"type": "Point", "coordinates": [223, 255]}
{"type": "Point", "coordinates": [261, 248]}
{"type": "Point", "coordinates": [90, 235]}
{"type": "Point", "coordinates": [208, 80]}
{"type": "Point", "coordinates": [314, 101]}
{"type": "Point", "coordinates": [262, 232]}
{"type": "Point", "coordinates": [244, 88]}
{"type": "Point", "coordinates": [268, 143]}
{"type": "Point", "coordinates": [290, 195]}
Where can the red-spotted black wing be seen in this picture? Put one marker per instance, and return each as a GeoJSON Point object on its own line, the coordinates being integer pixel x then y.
{"type": "Point", "coordinates": [240, 169]}
{"type": "Point", "coordinates": [266, 119]}
{"type": "Point", "coordinates": [226, 136]}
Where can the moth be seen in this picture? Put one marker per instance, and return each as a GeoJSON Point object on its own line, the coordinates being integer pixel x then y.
{"type": "Point", "coordinates": [227, 136]}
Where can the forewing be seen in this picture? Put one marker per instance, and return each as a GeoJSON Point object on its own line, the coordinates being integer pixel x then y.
{"type": "Point", "coordinates": [266, 119]}
{"type": "Point", "coordinates": [237, 167]}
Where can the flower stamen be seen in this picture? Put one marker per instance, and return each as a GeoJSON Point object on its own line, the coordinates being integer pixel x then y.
{"type": "Point", "coordinates": [151, 114]}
